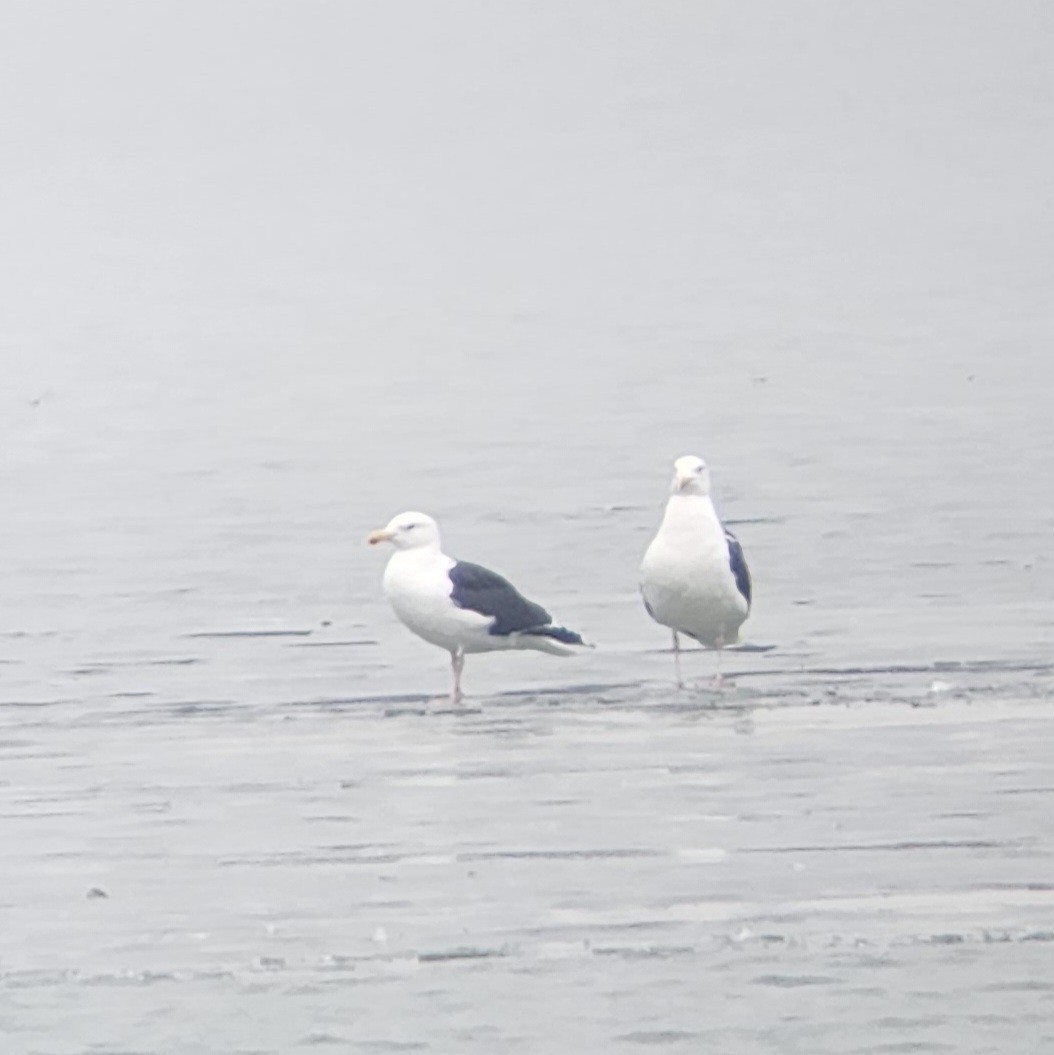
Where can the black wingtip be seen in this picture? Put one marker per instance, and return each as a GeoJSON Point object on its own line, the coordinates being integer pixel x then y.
{"type": "Point", "coordinates": [558, 633]}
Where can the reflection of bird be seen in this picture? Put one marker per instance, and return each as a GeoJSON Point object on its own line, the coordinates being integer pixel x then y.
{"type": "Point", "coordinates": [694, 578]}
{"type": "Point", "coordinates": [460, 606]}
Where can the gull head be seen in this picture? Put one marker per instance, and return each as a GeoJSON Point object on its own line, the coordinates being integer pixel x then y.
{"type": "Point", "coordinates": [407, 531]}
{"type": "Point", "coordinates": [690, 476]}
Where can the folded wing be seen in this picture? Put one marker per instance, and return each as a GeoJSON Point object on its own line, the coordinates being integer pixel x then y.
{"type": "Point", "coordinates": [738, 563]}
{"type": "Point", "coordinates": [479, 589]}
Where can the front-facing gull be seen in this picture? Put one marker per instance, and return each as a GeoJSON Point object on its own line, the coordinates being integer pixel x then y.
{"type": "Point", "coordinates": [459, 606]}
{"type": "Point", "coordinates": [694, 578]}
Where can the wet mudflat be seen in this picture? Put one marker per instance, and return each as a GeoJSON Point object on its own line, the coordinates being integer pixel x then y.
{"type": "Point", "coordinates": [613, 867]}
{"type": "Point", "coordinates": [271, 278]}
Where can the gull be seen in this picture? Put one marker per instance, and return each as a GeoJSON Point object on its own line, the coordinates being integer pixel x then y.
{"type": "Point", "coordinates": [459, 606]}
{"type": "Point", "coordinates": [694, 578]}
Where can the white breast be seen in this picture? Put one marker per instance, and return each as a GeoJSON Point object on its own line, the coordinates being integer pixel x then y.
{"type": "Point", "coordinates": [686, 578]}
{"type": "Point", "coordinates": [418, 586]}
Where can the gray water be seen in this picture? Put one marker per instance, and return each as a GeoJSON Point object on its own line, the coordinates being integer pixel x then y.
{"type": "Point", "coordinates": [274, 272]}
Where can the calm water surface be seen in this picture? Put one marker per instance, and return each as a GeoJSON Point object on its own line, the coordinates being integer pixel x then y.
{"type": "Point", "coordinates": [274, 273]}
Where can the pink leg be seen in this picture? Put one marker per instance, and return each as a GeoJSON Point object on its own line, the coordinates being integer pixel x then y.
{"type": "Point", "coordinates": [677, 660]}
{"type": "Point", "coordinates": [457, 664]}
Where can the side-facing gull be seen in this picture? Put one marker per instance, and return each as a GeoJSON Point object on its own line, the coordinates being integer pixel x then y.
{"type": "Point", "coordinates": [459, 606]}
{"type": "Point", "coordinates": [694, 578]}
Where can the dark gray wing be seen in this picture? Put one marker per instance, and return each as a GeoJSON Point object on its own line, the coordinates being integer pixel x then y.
{"type": "Point", "coordinates": [738, 563]}
{"type": "Point", "coordinates": [480, 590]}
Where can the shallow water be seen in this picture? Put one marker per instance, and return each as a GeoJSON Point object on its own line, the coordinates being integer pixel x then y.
{"type": "Point", "coordinates": [276, 273]}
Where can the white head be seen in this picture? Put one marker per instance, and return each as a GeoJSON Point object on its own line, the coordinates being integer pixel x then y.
{"type": "Point", "coordinates": [408, 531]}
{"type": "Point", "coordinates": [690, 476]}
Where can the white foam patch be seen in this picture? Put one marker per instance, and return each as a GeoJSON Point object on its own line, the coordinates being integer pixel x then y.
{"type": "Point", "coordinates": [703, 854]}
